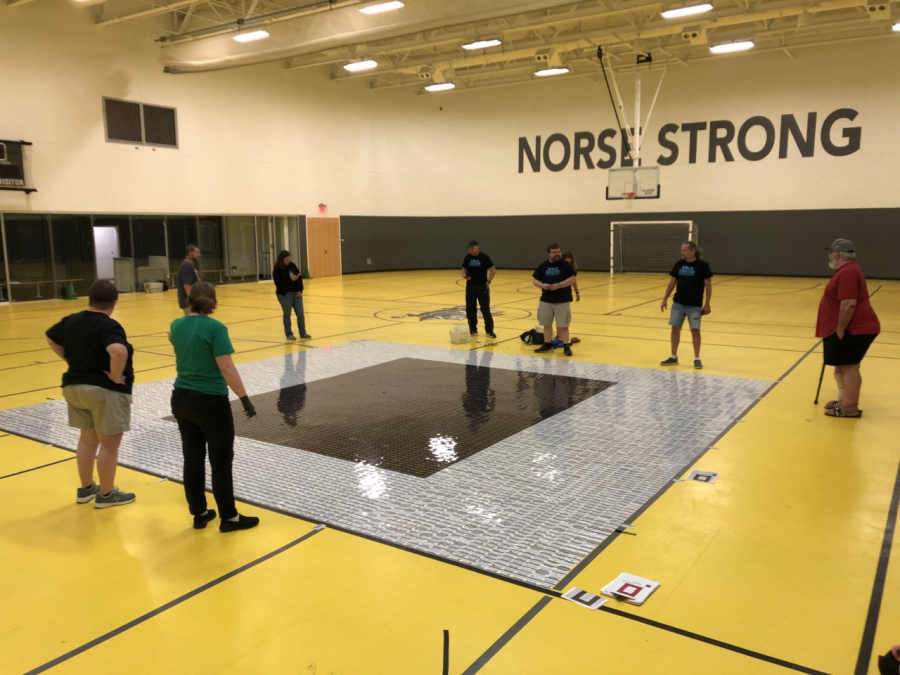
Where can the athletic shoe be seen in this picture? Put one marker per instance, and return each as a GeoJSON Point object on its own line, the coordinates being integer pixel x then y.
{"type": "Point", "coordinates": [114, 498]}
{"type": "Point", "coordinates": [671, 361]}
{"type": "Point", "coordinates": [546, 347]}
{"type": "Point", "coordinates": [242, 523]}
{"type": "Point", "coordinates": [201, 521]}
{"type": "Point", "coordinates": [698, 364]}
{"type": "Point", "coordinates": [473, 333]}
{"type": "Point", "coordinates": [306, 336]}
{"type": "Point", "coordinates": [291, 336]}
{"type": "Point", "coordinates": [491, 334]}
{"type": "Point", "coordinates": [84, 495]}
{"type": "Point", "coordinates": [567, 350]}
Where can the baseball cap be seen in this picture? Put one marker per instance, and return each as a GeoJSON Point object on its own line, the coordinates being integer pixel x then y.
{"type": "Point", "coordinates": [472, 243]}
{"type": "Point", "coordinates": [842, 246]}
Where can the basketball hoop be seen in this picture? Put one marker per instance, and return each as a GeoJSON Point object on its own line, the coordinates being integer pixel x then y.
{"type": "Point", "coordinates": [629, 195]}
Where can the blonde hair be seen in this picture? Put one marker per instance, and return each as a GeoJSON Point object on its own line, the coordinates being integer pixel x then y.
{"type": "Point", "coordinates": [203, 298]}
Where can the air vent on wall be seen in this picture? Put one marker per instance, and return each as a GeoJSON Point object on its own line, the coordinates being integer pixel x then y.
{"type": "Point", "coordinates": [139, 123]}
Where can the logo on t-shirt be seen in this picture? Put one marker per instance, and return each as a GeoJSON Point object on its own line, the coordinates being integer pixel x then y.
{"type": "Point", "coordinates": [474, 262]}
{"type": "Point", "coordinates": [552, 271]}
{"type": "Point", "coordinates": [686, 271]}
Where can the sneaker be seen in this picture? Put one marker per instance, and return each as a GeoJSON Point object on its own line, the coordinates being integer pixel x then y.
{"type": "Point", "coordinates": [242, 523]}
{"type": "Point", "coordinates": [698, 364]}
{"type": "Point", "coordinates": [490, 334]}
{"type": "Point", "coordinates": [114, 498]}
{"type": "Point", "coordinates": [473, 333]}
{"type": "Point", "coordinates": [546, 347]}
{"type": "Point", "coordinates": [567, 350]}
{"type": "Point", "coordinates": [201, 520]}
{"type": "Point", "coordinates": [671, 361]}
{"type": "Point", "coordinates": [84, 495]}
{"type": "Point", "coordinates": [290, 336]}
{"type": "Point", "coordinates": [306, 336]}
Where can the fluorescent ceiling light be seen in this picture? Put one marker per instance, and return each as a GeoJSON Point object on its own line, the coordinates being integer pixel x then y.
{"type": "Point", "coordinates": [729, 47]}
{"type": "Point", "coordinates": [679, 12]}
{"type": "Point", "coordinates": [383, 7]}
{"type": "Point", "coordinates": [443, 86]}
{"type": "Point", "coordinates": [551, 71]}
{"type": "Point", "coordinates": [361, 65]}
{"type": "Point", "coordinates": [250, 37]}
{"type": "Point", "coordinates": [482, 44]}
{"type": "Point", "coordinates": [897, 27]}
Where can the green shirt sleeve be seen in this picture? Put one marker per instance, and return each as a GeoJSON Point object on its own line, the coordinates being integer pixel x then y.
{"type": "Point", "coordinates": [221, 343]}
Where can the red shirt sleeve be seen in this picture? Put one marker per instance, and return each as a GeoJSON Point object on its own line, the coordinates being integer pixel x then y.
{"type": "Point", "coordinates": [847, 287]}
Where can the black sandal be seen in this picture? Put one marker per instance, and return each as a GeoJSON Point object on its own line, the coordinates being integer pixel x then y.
{"type": "Point", "coordinates": [837, 411]}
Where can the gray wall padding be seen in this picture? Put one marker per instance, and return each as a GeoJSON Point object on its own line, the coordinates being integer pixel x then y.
{"type": "Point", "coordinates": [776, 243]}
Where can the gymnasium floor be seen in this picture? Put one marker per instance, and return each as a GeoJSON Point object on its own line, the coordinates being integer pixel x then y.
{"type": "Point", "coordinates": [784, 564]}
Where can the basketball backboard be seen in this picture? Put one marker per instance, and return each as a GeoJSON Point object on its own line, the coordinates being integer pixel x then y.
{"type": "Point", "coordinates": [633, 182]}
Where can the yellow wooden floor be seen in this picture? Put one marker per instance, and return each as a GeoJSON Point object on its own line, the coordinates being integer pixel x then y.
{"type": "Point", "coordinates": [770, 570]}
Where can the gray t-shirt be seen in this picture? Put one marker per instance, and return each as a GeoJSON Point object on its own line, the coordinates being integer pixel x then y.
{"type": "Point", "coordinates": [187, 274]}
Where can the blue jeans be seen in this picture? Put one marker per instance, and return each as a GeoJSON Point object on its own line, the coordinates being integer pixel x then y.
{"type": "Point", "coordinates": [288, 301]}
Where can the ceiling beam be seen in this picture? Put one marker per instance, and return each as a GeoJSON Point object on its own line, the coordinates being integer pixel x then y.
{"type": "Point", "coordinates": [159, 9]}
{"type": "Point", "coordinates": [16, 3]}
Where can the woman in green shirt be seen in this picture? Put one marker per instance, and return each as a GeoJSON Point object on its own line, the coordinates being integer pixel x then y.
{"type": "Point", "coordinates": [201, 408]}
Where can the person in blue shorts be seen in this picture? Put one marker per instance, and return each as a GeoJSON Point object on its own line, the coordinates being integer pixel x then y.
{"type": "Point", "coordinates": [691, 277]}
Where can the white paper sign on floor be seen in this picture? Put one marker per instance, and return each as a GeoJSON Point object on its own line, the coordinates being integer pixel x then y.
{"type": "Point", "coordinates": [630, 588]}
{"type": "Point", "coordinates": [703, 476]}
{"type": "Point", "coordinates": [585, 599]}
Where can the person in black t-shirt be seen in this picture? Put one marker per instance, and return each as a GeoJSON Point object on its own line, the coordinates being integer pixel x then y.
{"type": "Point", "coordinates": [97, 389]}
{"type": "Point", "coordinates": [555, 278]}
{"type": "Point", "coordinates": [289, 291]}
{"type": "Point", "coordinates": [691, 276]}
{"type": "Point", "coordinates": [478, 270]}
{"type": "Point", "coordinates": [187, 276]}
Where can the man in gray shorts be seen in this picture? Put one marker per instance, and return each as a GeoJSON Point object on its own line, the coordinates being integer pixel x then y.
{"type": "Point", "coordinates": [97, 389]}
{"type": "Point", "coordinates": [692, 277]}
{"type": "Point", "coordinates": [554, 277]}
{"type": "Point", "coordinates": [187, 276]}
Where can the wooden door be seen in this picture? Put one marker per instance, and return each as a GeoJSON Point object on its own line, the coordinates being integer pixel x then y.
{"type": "Point", "coordinates": [323, 240]}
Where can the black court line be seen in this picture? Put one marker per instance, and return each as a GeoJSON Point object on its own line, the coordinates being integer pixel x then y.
{"type": "Point", "coordinates": [446, 668]}
{"type": "Point", "coordinates": [169, 605]}
{"type": "Point", "coordinates": [868, 637]}
{"type": "Point", "coordinates": [35, 468]}
{"type": "Point", "coordinates": [501, 642]}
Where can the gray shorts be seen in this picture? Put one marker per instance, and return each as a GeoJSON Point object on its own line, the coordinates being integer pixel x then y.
{"type": "Point", "coordinates": [103, 410]}
{"type": "Point", "coordinates": [680, 311]}
{"type": "Point", "coordinates": [548, 311]}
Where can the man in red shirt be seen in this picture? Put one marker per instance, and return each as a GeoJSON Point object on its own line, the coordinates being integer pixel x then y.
{"type": "Point", "coordinates": [848, 325]}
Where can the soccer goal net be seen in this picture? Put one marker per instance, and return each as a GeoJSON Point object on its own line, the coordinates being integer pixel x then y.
{"type": "Point", "coordinates": [647, 246]}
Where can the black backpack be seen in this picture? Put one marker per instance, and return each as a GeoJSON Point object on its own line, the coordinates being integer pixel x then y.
{"type": "Point", "coordinates": [532, 337]}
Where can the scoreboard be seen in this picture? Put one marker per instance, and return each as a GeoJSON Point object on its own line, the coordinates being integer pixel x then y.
{"type": "Point", "coordinates": [12, 166]}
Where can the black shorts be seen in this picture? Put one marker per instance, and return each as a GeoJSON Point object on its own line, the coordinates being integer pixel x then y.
{"type": "Point", "coordinates": [847, 352]}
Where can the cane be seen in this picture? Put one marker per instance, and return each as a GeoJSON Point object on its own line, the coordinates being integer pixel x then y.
{"type": "Point", "coordinates": [819, 388]}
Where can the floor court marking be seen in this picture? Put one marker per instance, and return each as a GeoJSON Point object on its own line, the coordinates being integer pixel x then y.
{"type": "Point", "coordinates": [173, 603]}
{"type": "Point", "coordinates": [42, 466]}
{"type": "Point", "coordinates": [868, 638]}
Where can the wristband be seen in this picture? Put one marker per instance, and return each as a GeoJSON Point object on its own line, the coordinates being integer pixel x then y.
{"type": "Point", "coordinates": [248, 406]}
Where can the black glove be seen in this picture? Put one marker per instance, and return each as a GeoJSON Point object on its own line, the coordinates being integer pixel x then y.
{"type": "Point", "coordinates": [248, 406]}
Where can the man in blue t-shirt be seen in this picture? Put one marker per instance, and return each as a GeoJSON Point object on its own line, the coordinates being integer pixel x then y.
{"type": "Point", "coordinates": [692, 277]}
{"type": "Point", "coordinates": [478, 270]}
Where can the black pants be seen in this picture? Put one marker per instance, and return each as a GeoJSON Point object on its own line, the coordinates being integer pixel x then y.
{"type": "Point", "coordinates": [206, 423]}
{"type": "Point", "coordinates": [482, 294]}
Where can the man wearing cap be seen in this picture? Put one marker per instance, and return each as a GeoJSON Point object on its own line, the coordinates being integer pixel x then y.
{"type": "Point", "coordinates": [848, 325]}
{"type": "Point", "coordinates": [478, 270]}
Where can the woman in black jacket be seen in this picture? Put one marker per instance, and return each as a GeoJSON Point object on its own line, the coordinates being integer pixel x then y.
{"type": "Point", "coordinates": [289, 291]}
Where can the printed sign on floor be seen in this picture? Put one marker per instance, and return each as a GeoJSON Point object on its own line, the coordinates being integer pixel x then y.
{"type": "Point", "coordinates": [703, 476]}
{"type": "Point", "coordinates": [583, 598]}
{"type": "Point", "coordinates": [630, 588]}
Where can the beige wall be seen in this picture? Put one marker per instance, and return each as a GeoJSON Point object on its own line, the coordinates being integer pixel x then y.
{"type": "Point", "coordinates": [266, 140]}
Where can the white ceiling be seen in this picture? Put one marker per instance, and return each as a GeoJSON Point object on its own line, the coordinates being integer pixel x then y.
{"type": "Point", "coordinates": [422, 42]}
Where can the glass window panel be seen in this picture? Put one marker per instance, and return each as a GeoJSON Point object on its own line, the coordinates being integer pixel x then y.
{"type": "Point", "coordinates": [73, 253]}
{"type": "Point", "coordinates": [182, 230]}
{"type": "Point", "coordinates": [28, 244]}
{"type": "Point", "coordinates": [211, 239]}
{"type": "Point", "coordinates": [241, 238]}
